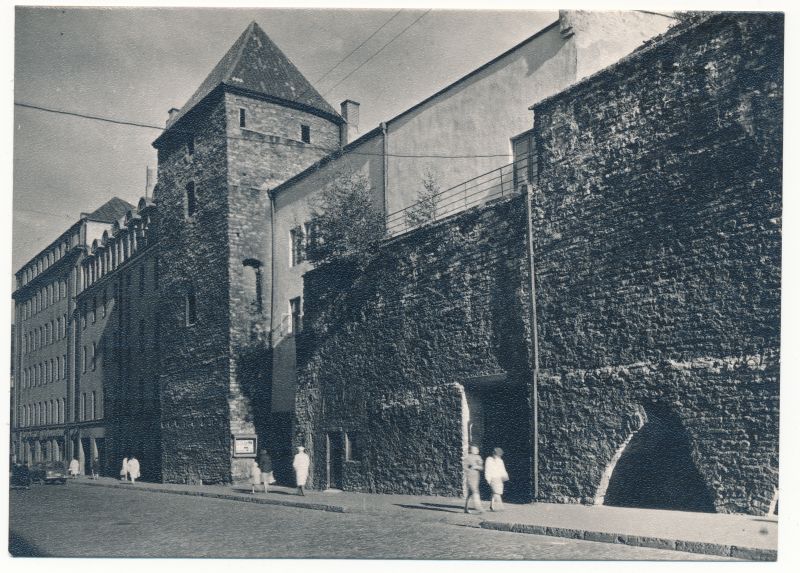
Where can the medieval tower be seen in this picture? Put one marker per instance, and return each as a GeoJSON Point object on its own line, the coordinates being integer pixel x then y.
{"type": "Point", "coordinates": [254, 122]}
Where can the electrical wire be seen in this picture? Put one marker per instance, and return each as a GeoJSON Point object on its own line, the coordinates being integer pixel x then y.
{"type": "Point", "coordinates": [251, 140]}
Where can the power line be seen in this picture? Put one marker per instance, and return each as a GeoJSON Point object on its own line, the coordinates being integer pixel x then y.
{"type": "Point", "coordinates": [386, 45]}
{"type": "Point", "coordinates": [340, 62]}
{"type": "Point", "coordinates": [251, 140]}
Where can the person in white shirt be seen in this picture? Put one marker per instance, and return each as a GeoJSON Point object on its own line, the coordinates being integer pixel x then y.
{"type": "Point", "coordinates": [133, 469]}
{"type": "Point", "coordinates": [496, 476]}
{"type": "Point", "coordinates": [301, 464]}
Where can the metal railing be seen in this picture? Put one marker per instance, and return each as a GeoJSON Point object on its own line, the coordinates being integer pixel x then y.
{"type": "Point", "coordinates": [495, 184]}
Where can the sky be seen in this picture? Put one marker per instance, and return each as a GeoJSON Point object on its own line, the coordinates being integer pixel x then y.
{"type": "Point", "coordinates": [135, 64]}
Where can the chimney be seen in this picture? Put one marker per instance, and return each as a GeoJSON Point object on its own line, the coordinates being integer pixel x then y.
{"type": "Point", "coordinates": [173, 111]}
{"type": "Point", "coordinates": [150, 182]}
{"type": "Point", "coordinates": [349, 131]}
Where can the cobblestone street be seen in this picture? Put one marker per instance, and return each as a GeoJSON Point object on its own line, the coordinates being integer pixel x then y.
{"type": "Point", "coordinates": [80, 521]}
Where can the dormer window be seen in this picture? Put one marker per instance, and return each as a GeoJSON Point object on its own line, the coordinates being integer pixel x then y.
{"type": "Point", "coordinates": [242, 117]}
{"type": "Point", "coordinates": [305, 133]}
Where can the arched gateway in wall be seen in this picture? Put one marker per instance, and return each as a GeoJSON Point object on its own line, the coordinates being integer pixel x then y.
{"type": "Point", "coordinates": [655, 469]}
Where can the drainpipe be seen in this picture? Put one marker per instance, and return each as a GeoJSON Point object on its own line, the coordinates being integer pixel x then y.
{"type": "Point", "coordinates": [385, 131]}
{"type": "Point", "coordinates": [271, 263]}
{"type": "Point", "coordinates": [535, 337]}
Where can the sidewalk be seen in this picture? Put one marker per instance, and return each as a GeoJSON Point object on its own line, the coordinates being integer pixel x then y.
{"type": "Point", "coordinates": [738, 536]}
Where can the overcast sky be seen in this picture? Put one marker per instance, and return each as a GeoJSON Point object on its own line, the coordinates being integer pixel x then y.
{"type": "Point", "coordinates": [135, 64]}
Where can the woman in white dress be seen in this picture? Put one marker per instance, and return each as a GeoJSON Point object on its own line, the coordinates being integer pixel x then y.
{"type": "Point", "coordinates": [123, 471]}
{"type": "Point", "coordinates": [496, 476]}
{"type": "Point", "coordinates": [133, 469]}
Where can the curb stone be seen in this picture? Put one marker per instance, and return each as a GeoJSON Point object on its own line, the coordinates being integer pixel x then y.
{"type": "Point", "coordinates": [228, 496]}
{"type": "Point", "coordinates": [748, 553]}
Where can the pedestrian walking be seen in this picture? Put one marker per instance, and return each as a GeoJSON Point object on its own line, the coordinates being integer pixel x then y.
{"type": "Point", "coordinates": [473, 466]}
{"type": "Point", "coordinates": [265, 464]}
{"type": "Point", "coordinates": [255, 475]}
{"type": "Point", "coordinates": [496, 475]}
{"type": "Point", "coordinates": [123, 471]}
{"type": "Point", "coordinates": [95, 466]}
{"type": "Point", "coordinates": [133, 469]}
{"type": "Point", "coordinates": [74, 468]}
{"type": "Point", "coordinates": [301, 464]}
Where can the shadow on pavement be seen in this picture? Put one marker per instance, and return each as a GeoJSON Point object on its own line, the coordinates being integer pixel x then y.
{"type": "Point", "coordinates": [430, 507]}
{"type": "Point", "coordinates": [18, 547]}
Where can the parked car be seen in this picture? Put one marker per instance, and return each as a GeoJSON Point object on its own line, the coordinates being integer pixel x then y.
{"type": "Point", "coordinates": [20, 476]}
{"type": "Point", "coordinates": [49, 473]}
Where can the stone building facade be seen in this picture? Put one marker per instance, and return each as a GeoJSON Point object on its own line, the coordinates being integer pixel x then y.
{"type": "Point", "coordinates": [184, 316]}
{"type": "Point", "coordinates": [654, 222]}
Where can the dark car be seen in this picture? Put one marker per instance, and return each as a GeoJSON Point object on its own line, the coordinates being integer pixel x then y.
{"type": "Point", "coordinates": [20, 476]}
{"type": "Point", "coordinates": [48, 473]}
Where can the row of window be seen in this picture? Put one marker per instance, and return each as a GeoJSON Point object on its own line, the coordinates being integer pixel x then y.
{"type": "Point", "coordinates": [42, 413]}
{"type": "Point", "coordinates": [45, 261]}
{"type": "Point", "coordinates": [305, 130]}
{"type": "Point", "coordinates": [44, 297]}
{"type": "Point", "coordinates": [45, 335]}
{"type": "Point", "coordinates": [45, 372]}
{"type": "Point", "coordinates": [108, 258]}
{"type": "Point", "coordinates": [54, 411]}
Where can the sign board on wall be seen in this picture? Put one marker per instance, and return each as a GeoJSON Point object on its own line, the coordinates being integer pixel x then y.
{"type": "Point", "coordinates": [245, 446]}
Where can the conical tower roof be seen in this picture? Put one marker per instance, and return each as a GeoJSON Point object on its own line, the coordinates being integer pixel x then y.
{"type": "Point", "coordinates": [255, 64]}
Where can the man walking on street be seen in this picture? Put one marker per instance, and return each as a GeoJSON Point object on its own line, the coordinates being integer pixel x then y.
{"type": "Point", "coordinates": [496, 476]}
{"type": "Point", "coordinates": [473, 466]}
{"type": "Point", "coordinates": [301, 464]}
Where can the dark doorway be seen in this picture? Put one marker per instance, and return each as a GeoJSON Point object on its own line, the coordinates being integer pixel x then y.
{"type": "Point", "coordinates": [86, 445]}
{"type": "Point", "coordinates": [335, 460]}
{"type": "Point", "coordinates": [656, 470]}
{"type": "Point", "coordinates": [500, 418]}
{"type": "Point", "coordinates": [100, 444]}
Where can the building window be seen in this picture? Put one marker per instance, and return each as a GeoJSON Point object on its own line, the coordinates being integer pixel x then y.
{"type": "Point", "coordinates": [191, 307]}
{"type": "Point", "coordinates": [93, 406]}
{"type": "Point", "coordinates": [253, 284]}
{"type": "Point", "coordinates": [305, 133]}
{"type": "Point", "coordinates": [94, 310]}
{"type": "Point", "coordinates": [64, 367]}
{"type": "Point", "coordinates": [297, 237]}
{"type": "Point", "coordinates": [242, 117]}
{"type": "Point", "coordinates": [105, 304]}
{"type": "Point", "coordinates": [191, 200]}
{"type": "Point", "coordinates": [57, 373]}
{"type": "Point", "coordinates": [82, 413]}
{"type": "Point", "coordinates": [295, 310]}
{"type": "Point", "coordinates": [94, 356]}
{"type": "Point", "coordinates": [352, 446]}
{"type": "Point", "coordinates": [84, 362]}
{"type": "Point", "coordinates": [190, 146]}
{"type": "Point", "coordinates": [64, 322]}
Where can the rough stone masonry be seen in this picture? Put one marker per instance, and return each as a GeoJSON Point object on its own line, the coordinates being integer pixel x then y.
{"type": "Point", "coordinates": [656, 218]}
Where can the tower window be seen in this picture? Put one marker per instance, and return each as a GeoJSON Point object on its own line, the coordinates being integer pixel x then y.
{"type": "Point", "coordinates": [305, 133]}
{"type": "Point", "coordinates": [190, 145]}
{"type": "Point", "coordinates": [242, 117]}
{"type": "Point", "coordinates": [253, 284]}
{"type": "Point", "coordinates": [191, 307]}
{"type": "Point", "coordinates": [295, 309]}
{"type": "Point", "coordinates": [191, 199]}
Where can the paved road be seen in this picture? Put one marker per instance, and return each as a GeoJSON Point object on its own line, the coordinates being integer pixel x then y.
{"type": "Point", "coordinates": [83, 521]}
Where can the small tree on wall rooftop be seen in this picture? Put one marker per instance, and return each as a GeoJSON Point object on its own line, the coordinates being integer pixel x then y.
{"type": "Point", "coordinates": [345, 223]}
{"type": "Point", "coordinates": [425, 209]}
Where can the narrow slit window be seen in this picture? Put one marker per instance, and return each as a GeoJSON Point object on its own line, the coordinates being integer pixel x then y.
{"type": "Point", "coordinates": [242, 117]}
{"type": "Point", "coordinates": [191, 199]}
{"type": "Point", "coordinates": [191, 307]}
{"type": "Point", "coordinates": [305, 133]}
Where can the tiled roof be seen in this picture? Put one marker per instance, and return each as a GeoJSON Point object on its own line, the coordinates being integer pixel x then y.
{"type": "Point", "coordinates": [111, 210]}
{"type": "Point", "coordinates": [254, 63]}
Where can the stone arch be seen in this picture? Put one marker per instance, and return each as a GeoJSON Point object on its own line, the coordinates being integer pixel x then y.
{"type": "Point", "coordinates": [655, 469]}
